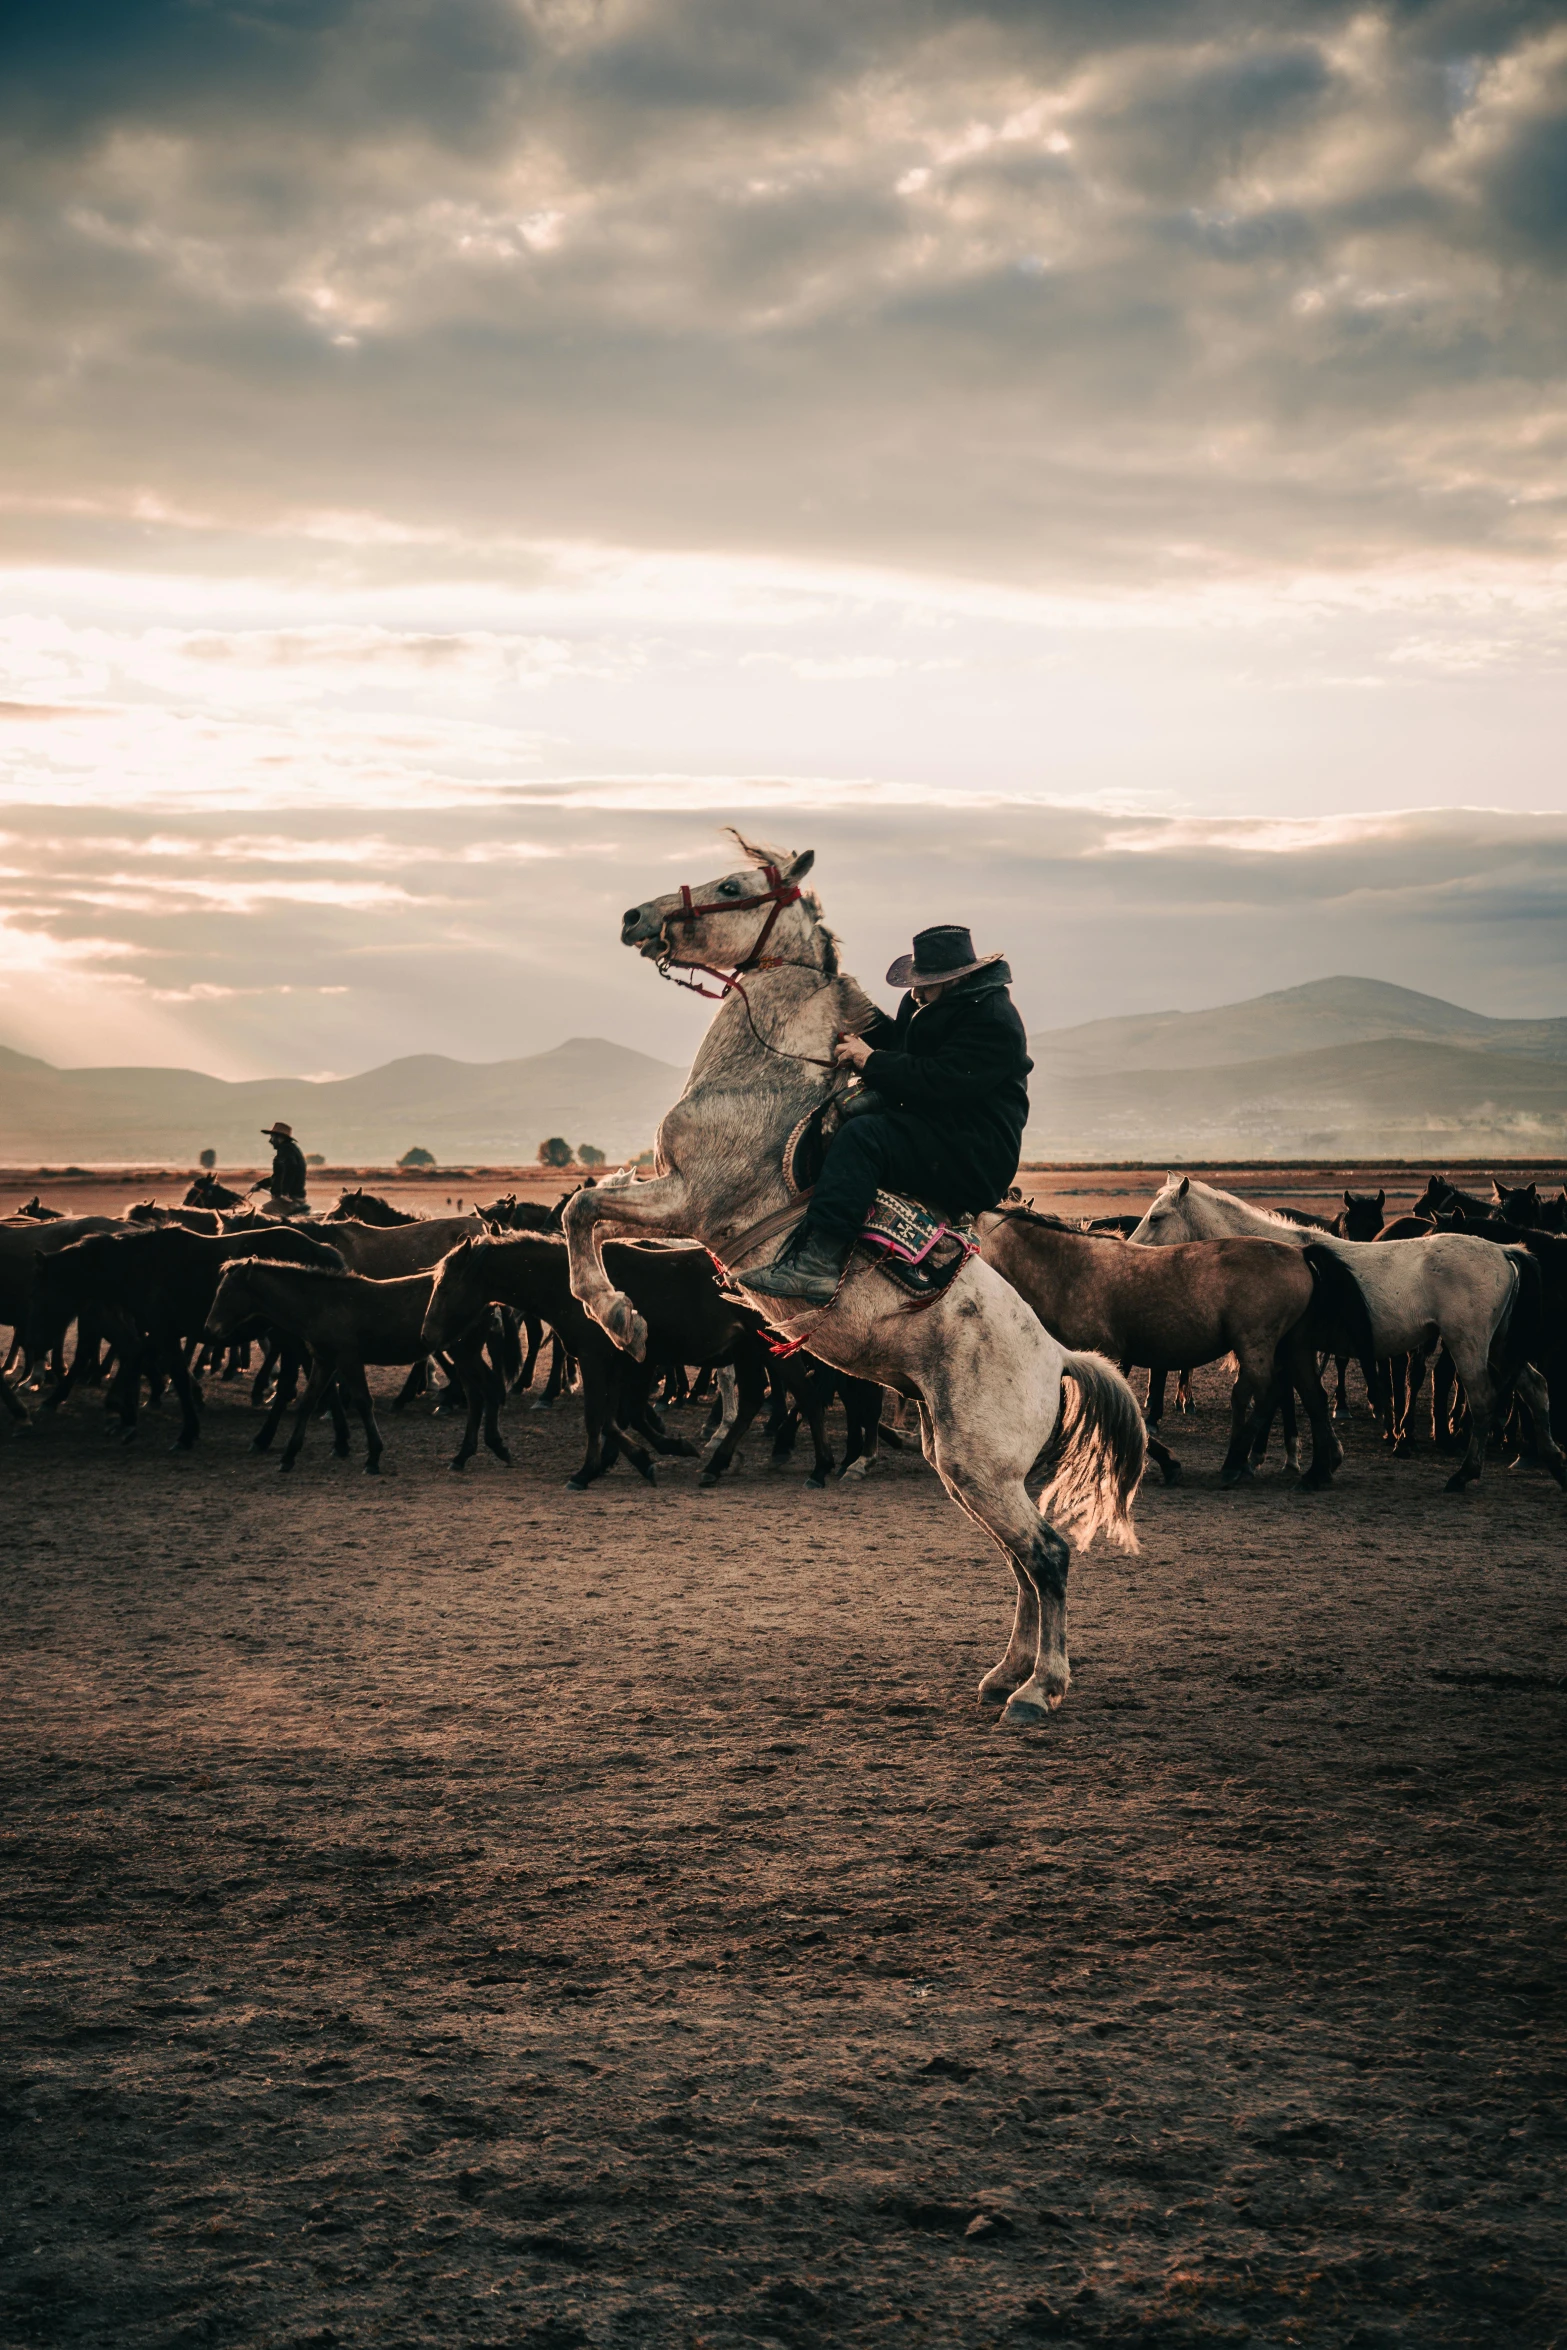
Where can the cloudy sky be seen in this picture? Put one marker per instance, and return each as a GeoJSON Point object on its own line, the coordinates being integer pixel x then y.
{"type": "Point", "coordinates": [1099, 473]}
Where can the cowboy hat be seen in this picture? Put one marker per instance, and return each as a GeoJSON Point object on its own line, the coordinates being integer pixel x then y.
{"type": "Point", "coordinates": [280, 1126]}
{"type": "Point", "coordinates": [941, 953]}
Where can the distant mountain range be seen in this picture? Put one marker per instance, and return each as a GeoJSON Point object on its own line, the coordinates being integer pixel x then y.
{"type": "Point", "coordinates": [491, 1113]}
{"type": "Point", "coordinates": [1339, 1068]}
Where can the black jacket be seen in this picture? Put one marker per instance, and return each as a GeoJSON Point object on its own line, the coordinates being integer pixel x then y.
{"type": "Point", "coordinates": [288, 1170]}
{"type": "Point", "coordinates": [960, 1067]}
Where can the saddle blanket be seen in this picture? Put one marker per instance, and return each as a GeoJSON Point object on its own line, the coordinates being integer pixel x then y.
{"type": "Point", "coordinates": [913, 1246]}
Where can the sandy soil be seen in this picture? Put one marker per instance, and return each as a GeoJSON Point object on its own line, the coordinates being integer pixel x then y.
{"type": "Point", "coordinates": [459, 1912]}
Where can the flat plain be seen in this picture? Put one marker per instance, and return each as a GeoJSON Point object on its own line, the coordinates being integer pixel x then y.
{"type": "Point", "coordinates": [456, 1911]}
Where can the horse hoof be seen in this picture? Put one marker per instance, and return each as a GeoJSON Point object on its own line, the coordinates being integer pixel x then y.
{"type": "Point", "coordinates": [991, 1700]}
{"type": "Point", "coordinates": [372, 1468]}
{"type": "Point", "coordinates": [459, 1462]}
{"type": "Point", "coordinates": [815, 1483]}
{"type": "Point", "coordinates": [576, 1484]}
{"type": "Point", "coordinates": [1172, 1473]}
{"type": "Point", "coordinates": [1021, 1713]}
{"type": "Point", "coordinates": [1459, 1482]}
{"type": "Point", "coordinates": [260, 1444]}
{"type": "Point", "coordinates": [1244, 1475]}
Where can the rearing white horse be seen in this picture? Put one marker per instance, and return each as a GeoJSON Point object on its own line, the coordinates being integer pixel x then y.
{"type": "Point", "coordinates": [1411, 1293]}
{"type": "Point", "coordinates": [986, 1375]}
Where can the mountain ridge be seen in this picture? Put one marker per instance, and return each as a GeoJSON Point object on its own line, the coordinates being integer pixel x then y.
{"type": "Point", "coordinates": [1335, 1066]}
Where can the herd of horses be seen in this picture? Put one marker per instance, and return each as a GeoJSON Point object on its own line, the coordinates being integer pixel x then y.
{"type": "Point", "coordinates": [1014, 1368]}
{"type": "Point", "coordinates": [303, 1308]}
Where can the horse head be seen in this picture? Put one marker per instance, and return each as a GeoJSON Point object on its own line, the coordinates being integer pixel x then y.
{"type": "Point", "coordinates": [1168, 1216]}
{"type": "Point", "coordinates": [1520, 1204]}
{"type": "Point", "coordinates": [727, 924]}
{"type": "Point", "coordinates": [1362, 1218]}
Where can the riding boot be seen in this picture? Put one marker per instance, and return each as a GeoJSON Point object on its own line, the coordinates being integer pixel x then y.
{"type": "Point", "coordinates": [808, 1267]}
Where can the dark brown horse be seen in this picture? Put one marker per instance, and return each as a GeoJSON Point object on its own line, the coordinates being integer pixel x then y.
{"type": "Point", "coordinates": [1166, 1307]}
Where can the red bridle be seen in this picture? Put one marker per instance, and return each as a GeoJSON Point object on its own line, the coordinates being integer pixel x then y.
{"type": "Point", "coordinates": [776, 896]}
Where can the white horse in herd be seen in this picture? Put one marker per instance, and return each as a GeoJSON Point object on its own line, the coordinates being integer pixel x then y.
{"type": "Point", "coordinates": [985, 1373]}
{"type": "Point", "coordinates": [1396, 1297]}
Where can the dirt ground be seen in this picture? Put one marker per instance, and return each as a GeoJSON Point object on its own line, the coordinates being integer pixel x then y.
{"type": "Point", "coordinates": [455, 1911]}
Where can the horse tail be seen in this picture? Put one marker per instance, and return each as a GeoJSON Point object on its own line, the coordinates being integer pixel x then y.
{"type": "Point", "coordinates": [1096, 1456]}
{"type": "Point", "coordinates": [1340, 1321]}
{"type": "Point", "coordinates": [1520, 1326]}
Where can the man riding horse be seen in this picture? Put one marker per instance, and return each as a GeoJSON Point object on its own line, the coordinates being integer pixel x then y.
{"type": "Point", "coordinates": [287, 1181]}
{"type": "Point", "coordinates": [940, 1117]}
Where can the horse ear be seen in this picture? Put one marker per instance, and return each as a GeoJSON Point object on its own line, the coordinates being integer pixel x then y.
{"type": "Point", "coordinates": [1381, 1199]}
{"type": "Point", "coordinates": [798, 867]}
{"type": "Point", "coordinates": [1186, 1184]}
{"type": "Point", "coordinates": [1496, 1189]}
{"type": "Point", "coordinates": [1349, 1200]}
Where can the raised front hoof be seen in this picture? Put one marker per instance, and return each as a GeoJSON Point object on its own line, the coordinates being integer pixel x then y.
{"type": "Point", "coordinates": [1236, 1473]}
{"type": "Point", "coordinates": [626, 1327]}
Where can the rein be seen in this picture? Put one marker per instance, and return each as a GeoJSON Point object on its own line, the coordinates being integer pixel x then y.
{"type": "Point", "coordinates": [776, 896]}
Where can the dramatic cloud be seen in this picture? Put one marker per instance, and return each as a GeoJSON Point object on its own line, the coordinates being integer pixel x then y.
{"type": "Point", "coordinates": [1080, 462]}
{"type": "Point", "coordinates": [333, 948]}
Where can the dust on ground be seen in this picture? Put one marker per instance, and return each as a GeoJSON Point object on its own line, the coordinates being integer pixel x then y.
{"type": "Point", "coordinates": [456, 1911]}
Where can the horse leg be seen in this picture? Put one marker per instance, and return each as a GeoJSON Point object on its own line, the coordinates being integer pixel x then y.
{"type": "Point", "coordinates": [1154, 1410]}
{"type": "Point", "coordinates": [1537, 1395]}
{"type": "Point", "coordinates": [751, 1375]}
{"type": "Point", "coordinates": [535, 1330]}
{"type": "Point", "coordinates": [1297, 1364]}
{"type": "Point", "coordinates": [185, 1390]}
{"type": "Point", "coordinates": [353, 1380]}
{"type": "Point", "coordinates": [492, 1386]}
{"type": "Point", "coordinates": [1165, 1461]}
{"type": "Point", "coordinates": [417, 1383]}
{"type": "Point", "coordinates": [323, 1372]}
{"type": "Point", "coordinates": [1340, 1392]}
{"type": "Point", "coordinates": [1417, 1364]}
{"type": "Point", "coordinates": [981, 1463]}
{"type": "Point", "coordinates": [1471, 1362]}
{"type": "Point", "coordinates": [1249, 1397]}
{"type": "Point", "coordinates": [602, 1443]}
{"type": "Point", "coordinates": [1183, 1391]}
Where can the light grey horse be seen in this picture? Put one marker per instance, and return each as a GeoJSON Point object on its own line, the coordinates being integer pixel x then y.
{"type": "Point", "coordinates": [986, 1375]}
{"type": "Point", "coordinates": [1449, 1286]}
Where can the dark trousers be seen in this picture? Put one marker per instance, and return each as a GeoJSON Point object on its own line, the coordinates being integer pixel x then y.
{"type": "Point", "coordinates": [880, 1151]}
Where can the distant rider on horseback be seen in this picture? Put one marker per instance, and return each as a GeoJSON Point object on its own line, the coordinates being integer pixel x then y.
{"type": "Point", "coordinates": [286, 1183]}
{"type": "Point", "coordinates": [941, 1116]}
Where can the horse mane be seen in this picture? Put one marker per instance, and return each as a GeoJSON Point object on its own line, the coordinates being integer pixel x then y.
{"type": "Point", "coordinates": [761, 852]}
{"type": "Point", "coordinates": [1025, 1213]}
{"type": "Point", "coordinates": [1269, 1215]}
{"type": "Point", "coordinates": [291, 1265]}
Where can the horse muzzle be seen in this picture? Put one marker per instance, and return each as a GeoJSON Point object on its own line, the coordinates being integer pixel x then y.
{"type": "Point", "coordinates": [643, 927]}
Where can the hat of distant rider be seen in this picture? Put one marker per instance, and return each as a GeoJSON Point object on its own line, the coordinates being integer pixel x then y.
{"type": "Point", "coordinates": [944, 952]}
{"type": "Point", "coordinates": [279, 1126]}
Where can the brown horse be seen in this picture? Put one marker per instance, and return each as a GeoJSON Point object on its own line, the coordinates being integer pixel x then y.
{"type": "Point", "coordinates": [1249, 1298]}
